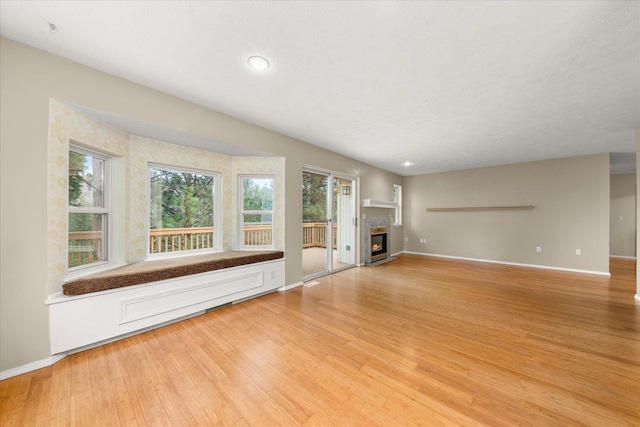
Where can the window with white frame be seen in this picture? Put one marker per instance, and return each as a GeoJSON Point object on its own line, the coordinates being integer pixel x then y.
{"type": "Point", "coordinates": [256, 210]}
{"type": "Point", "coordinates": [183, 210]}
{"type": "Point", "coordinates": [397, 198]}
{"type": "Point", "coordinates": [89, 207]}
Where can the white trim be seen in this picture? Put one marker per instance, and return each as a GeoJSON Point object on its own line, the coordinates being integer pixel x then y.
{"type": "Point", "coordinates": [637, 297]}
{"type": "Point", "coordinates": [38, 364]}
{"type": "Point", "coordinates": [397, 198]}
{"type": "Point", "coordinates": [517, 264]}
{"type": "Point", "coordinates": [289, 287]}
{"type": "Point", "coordinates": [370, 203]}
{"type": "Point", "coordinates": [622, 257]}
{"type": "Point", "coordinates": [397, 253]}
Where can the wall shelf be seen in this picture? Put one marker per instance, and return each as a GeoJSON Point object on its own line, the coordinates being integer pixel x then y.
{"type": "Point", "coordinates": [481, 208]}
{"type": "Point", "coordinates": [370, 203]}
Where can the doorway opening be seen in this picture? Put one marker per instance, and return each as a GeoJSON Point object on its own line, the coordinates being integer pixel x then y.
{"type": "Point", "coordinates": [329, 229]}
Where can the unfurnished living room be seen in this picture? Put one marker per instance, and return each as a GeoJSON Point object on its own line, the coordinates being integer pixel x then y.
{"type": "Point", "coordinates": [319, 213]}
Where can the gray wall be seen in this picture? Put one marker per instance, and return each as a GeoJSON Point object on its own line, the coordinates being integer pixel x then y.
{"type": "Point", "coordinates": [28, 79]}
{"type": "Point", "coordinates": [571, 199]}
{"type": "Point", "coordinates": [622, 227]}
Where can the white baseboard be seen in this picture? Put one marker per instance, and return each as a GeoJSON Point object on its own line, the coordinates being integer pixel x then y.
{"type": "Point", "coordinates": [38, 364]}
{"type": "Point", "coordinates": [517, 264]}
{"type": "Point", "coordinates": [637, 297]}
{"type": "Point", "coordinates": [622, 257]}
{"type": "Point", "coordinates": [289, 287]}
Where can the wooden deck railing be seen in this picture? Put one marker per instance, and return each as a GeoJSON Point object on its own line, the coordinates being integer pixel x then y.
{"type": "Point", "coordinates": [85, 247]}
{"type": "Point", "coordinates": [179, 239]}
{"type": "Point", "coordinates": [258, 235]}
{"type": "Point", "coordinates": [314, 235]}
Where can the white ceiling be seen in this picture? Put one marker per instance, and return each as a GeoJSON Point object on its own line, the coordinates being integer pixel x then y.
{"type": "Point", "coordinates": [446, 85]}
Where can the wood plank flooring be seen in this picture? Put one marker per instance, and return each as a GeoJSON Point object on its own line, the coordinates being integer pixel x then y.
{"type": "Point", "coordinates": [418, 341]}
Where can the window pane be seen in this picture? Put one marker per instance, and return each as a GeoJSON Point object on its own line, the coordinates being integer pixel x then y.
{"type": "Point", "coordinates": [258, 194]}
{"type": "Point", "coordinates": [181, 211]}
{"type": "Point", "coordinates": [86, 180]}
{"type": "Point", "coordinates": [87, 242]}
{"type": "Point", "coordinates": [258, 229]}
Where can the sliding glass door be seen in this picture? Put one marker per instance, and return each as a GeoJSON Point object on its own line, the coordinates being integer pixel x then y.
{"type": "Point", "coordinates": [328, 223]}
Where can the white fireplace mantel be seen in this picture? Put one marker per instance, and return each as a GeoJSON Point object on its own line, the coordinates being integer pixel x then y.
{"type": "Point", "coordinates": [370, 203]}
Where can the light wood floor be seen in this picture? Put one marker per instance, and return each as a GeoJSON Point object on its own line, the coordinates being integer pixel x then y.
{"type": "Point", "coordinates": [417, 341]}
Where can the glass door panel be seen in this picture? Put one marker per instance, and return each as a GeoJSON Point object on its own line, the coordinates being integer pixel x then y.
{"type": "Point", "coordinates": [315, 205]}
{"type": "Point", "coordinates": [344, 229]}
{"type": "Point", "coordinates": [328, 223]}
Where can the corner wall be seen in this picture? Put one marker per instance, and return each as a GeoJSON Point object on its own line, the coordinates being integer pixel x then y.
{"type": "Point", "coordinates": [623, 215]}
{"type": "Point", "coordinates": [571, 199]}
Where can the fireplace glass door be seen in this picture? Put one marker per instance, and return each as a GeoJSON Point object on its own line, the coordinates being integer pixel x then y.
{"type": "Point", "coordinates": [328, 223]}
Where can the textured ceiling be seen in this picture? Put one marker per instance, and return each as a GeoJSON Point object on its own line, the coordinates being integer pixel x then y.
{"type": "Point", "coordinates": [446, 85]}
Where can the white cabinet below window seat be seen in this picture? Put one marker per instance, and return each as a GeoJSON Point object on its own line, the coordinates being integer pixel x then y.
{"type": "Point", "coordinates": [78, 322]}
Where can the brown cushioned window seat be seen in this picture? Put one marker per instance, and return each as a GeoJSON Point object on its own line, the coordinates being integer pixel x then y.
{"type": "Point", "coordinates": [153, 271]}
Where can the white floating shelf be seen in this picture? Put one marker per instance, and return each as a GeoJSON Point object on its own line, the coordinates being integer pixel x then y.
{"type": "Point", "coordinates": [481, 208]}
{"type": "Point", "coordinates": [369, 203]}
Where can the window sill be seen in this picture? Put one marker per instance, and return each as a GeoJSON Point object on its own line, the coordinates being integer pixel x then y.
{"type": "Point", "coordinates": [181, 254]}
{"type": "Point", "coordinates": [89, 270]}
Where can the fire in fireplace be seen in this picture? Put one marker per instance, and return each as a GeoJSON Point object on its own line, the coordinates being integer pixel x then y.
{"type": "Point", "coordinates": [378, 243]}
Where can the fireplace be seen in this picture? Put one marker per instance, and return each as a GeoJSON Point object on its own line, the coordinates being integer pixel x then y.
{"type": "Point", "coordinates": [377, 240]}
{"type": "Point", "coordinates": [378, 246]}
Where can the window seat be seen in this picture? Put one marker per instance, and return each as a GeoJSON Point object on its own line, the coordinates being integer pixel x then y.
{"type": "Point", "coordinates": [156, 270]}
{"type": "Point", "coordinates": [128, 300]}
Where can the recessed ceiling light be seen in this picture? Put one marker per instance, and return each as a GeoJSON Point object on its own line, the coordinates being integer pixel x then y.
{"type": "Point", "coordinates": [258, 63]}
{"type": "Point", "coordinates": [407, 164]}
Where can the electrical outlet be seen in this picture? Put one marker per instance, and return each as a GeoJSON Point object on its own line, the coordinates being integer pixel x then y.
{"type": "Point", "coordinates": [538, 248]}
{"type": "Point", "coordinates": [578, 251]}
